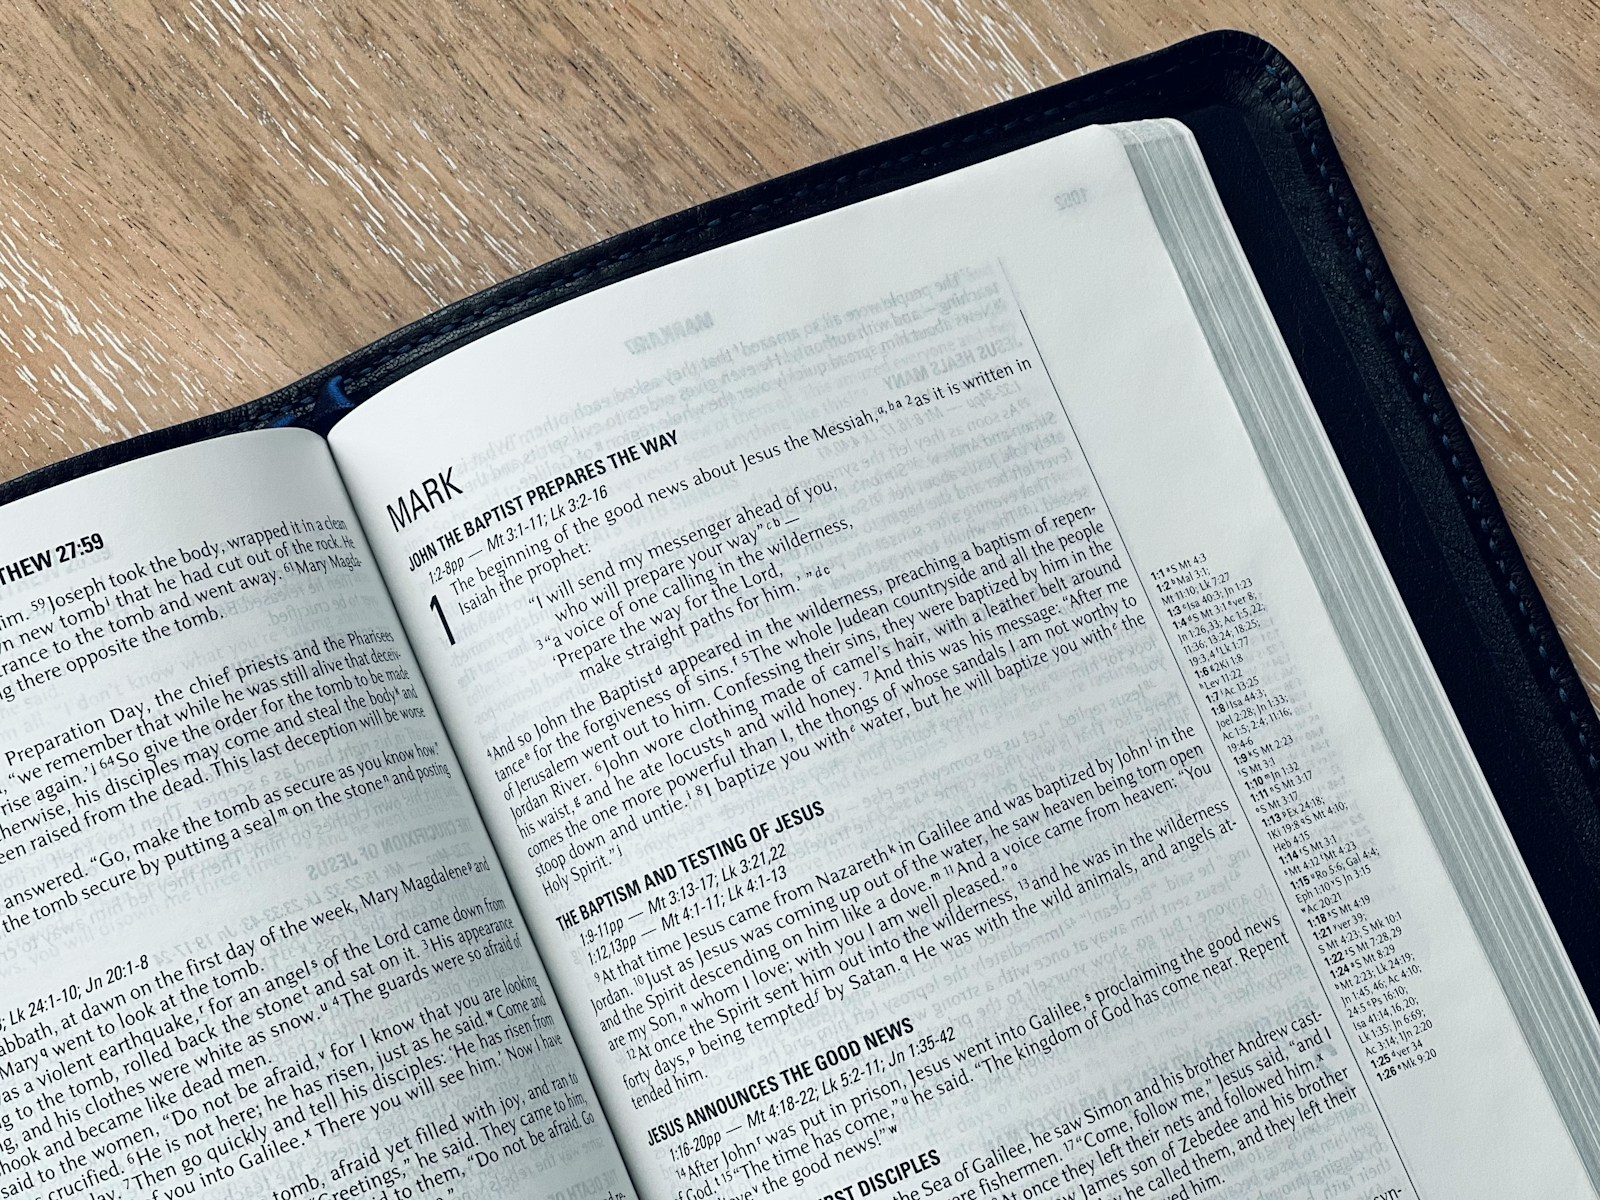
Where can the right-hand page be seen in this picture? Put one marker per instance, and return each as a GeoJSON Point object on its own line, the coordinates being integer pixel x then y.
{"type": "Point", "coordinates": [917, 742]}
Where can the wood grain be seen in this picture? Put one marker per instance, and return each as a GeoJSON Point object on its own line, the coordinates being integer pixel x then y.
{"type": "Point", "coordinates": [201, 202]}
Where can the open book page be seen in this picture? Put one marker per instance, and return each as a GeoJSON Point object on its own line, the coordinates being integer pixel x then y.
{"type": "Point", "coordinates": [253, 939]}
{"type": "Point", "coordinates": [921, 751]}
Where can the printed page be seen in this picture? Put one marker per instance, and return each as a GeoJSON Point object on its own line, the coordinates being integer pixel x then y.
{"type": "Point", "coordinates": [921, 751]}
{"type": "Point", "coordinates": [253, 939]}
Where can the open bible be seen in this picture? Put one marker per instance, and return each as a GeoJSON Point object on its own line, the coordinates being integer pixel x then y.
{"type": "Point", "coordinates": [901, 705]}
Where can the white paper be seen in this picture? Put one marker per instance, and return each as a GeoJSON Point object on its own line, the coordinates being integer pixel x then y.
{"type": "Point", "coordinates": [1038, 878]}
{"type": "Point", "coordinates": [253, 940]}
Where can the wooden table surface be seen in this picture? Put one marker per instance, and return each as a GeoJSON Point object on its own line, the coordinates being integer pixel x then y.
{"type": "Point", "coordinates": [200, 202]}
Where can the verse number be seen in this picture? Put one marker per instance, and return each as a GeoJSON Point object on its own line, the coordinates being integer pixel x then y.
{"type": "Point", "coordinates": [433, 603]}
{"type": "Point", "coordinates": [87, 544]}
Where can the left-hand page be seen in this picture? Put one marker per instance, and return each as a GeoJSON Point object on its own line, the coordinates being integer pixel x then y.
{"type": "Point", "coordinates": [253, 936]}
